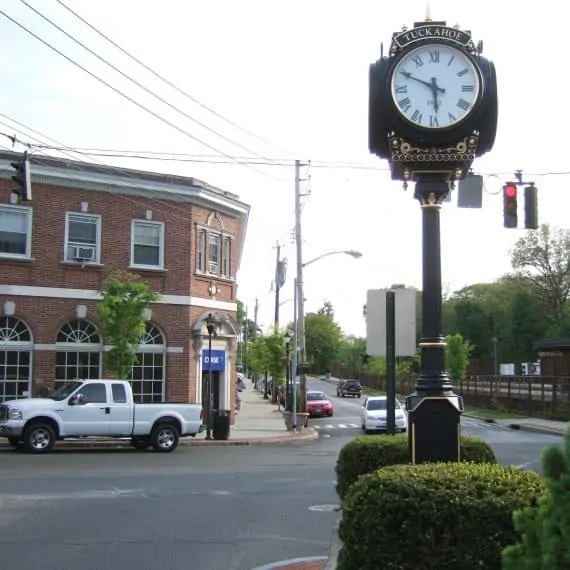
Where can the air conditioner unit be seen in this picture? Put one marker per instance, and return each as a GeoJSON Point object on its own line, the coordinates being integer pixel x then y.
{"type": "Point", "coordinates": [213, 267]}
{"type": "Point", "coordinates": [84, 253]}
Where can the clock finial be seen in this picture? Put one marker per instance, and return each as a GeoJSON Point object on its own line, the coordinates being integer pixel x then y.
{"type": "Point", "coordinates": [428, 12]}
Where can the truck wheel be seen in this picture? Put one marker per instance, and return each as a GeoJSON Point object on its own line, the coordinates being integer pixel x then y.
{"type": "Point", "coordinates": [164, 438]}
{"type": "Point", "coordinates": [141, 443]}
{"type": "Point", "coordinates": [38, 438]}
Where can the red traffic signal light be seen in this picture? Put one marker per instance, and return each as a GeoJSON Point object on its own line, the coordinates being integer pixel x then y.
{"type": "Point", "coordinates": [510, 206]}
{"type": "Point", "coordinates": [510, 191]}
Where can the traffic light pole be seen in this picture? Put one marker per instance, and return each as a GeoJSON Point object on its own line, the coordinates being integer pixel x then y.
{"type": "Point", "coordinates": [434, 410]}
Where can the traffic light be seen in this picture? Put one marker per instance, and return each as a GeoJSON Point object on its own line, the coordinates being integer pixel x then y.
{"type": "Point", "coordinates": [23, 178]}
{"type": "Point", "coordinates": [531, 207]}
{"type": "Point", "coordinates": [510, 205]}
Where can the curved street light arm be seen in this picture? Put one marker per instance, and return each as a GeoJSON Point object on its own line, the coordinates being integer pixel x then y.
{"type": "Point", "coordinates": [351, 252]}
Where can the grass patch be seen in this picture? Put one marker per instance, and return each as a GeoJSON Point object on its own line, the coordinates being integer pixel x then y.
{"type": "Point", "coordinates": [492, 414]}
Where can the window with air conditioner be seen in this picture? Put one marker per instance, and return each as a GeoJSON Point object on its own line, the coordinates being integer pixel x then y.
{"type": "Point", "coordinates": [15, 231]}
{"type": "Point", "coordinates": [82, 238]}
{"type": "Point", "coordinates": [147, 244]}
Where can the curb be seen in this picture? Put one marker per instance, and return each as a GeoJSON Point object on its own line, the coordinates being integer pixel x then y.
{"type": "Point", "coordinates": [520, 426]}
{"type": "Point", "coordinates": [109, 444]}
{"type": "Point", "coordinates": [535, 429]}
{"type": "Point", "coordinates": [480, 418]}
{"type": "Point", "coordinates": [335, 547]}
{"type": "Point", "coordinates": [294, 563]}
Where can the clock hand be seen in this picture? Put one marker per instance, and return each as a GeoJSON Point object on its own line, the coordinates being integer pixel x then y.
{"type": "Point", "coordinates": [434, 89]}
{"type": "Point", "coordinates": [429, 84]}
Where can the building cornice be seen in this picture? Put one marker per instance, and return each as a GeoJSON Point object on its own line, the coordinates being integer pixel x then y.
{"type": "Point", "coordinates": [122, 181]}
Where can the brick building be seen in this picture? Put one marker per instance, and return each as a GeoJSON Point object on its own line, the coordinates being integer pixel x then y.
{"type": "Point", "coordinates": [182, 236]}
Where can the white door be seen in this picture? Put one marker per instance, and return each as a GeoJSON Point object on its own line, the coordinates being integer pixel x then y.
{"type": "Point", "coordinates": [121, 416]}
{"type": "Point", "coordinates": [90, 417]}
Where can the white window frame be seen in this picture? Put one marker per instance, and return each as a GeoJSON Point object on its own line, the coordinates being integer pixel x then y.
{"type": "Point", "coordinates": [161, 250]}
{"type": "Point", "coordinates": [97, 219]}
{"type": "Point", "coordinates": [218, 263]}
{"type": "Point", "coordinates": [29, 213]}
{"type": "Point", "coordinates": [227, 243]}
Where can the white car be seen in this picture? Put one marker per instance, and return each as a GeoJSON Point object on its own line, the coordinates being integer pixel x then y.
{"type": "Point", "coordinates": [373, 415]}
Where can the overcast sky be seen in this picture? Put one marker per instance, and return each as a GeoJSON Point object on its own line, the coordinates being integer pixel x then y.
{"type": "Point", "coordinates": [294, 74]}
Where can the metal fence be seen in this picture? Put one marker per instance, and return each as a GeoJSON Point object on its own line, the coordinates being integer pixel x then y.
{"type": "Point", "coordinates": [545, 397]}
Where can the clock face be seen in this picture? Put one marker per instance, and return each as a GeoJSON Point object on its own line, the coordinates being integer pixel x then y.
{"type": "Point", "coordinates": [435, 86]}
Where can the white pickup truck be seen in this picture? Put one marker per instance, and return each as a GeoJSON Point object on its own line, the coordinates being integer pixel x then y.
{"type": "Point", "coordinates": [102, 408]}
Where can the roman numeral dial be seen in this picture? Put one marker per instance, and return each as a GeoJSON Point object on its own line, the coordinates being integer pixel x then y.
{"type": "Point", "coordinates": [435, 86]}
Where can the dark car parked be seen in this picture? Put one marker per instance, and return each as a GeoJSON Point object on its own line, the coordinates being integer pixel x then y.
{"type": "Point", "coordinates": [349, 388]}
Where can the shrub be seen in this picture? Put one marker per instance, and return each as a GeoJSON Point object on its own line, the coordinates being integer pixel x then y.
{"type": "Point", "coordinates": [545, 532]}
{"type": "Point", "coordinates": [440, 516]}
{"type": "Point", "coordinates": [366, 454]}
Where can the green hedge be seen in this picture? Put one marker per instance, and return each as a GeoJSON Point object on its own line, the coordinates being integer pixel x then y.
{"type": "Point", "coordinates": [366, 454]}
{"type": "Point", "coordinates": [441, 516]}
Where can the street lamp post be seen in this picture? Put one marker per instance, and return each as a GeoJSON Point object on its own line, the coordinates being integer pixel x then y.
{"type": "Point", "coordinates": [211, 323]}
{"type": "Point", "coordinates": [300, 306]}
{"type": "Point", "coordinates": [287, 338]}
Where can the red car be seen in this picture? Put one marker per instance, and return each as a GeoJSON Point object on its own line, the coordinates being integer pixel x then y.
{"type": "Point", "coordinates": [318, 404]}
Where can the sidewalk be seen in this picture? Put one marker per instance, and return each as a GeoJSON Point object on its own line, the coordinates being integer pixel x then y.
{"type": "Point", "coordinates": [258, 423]}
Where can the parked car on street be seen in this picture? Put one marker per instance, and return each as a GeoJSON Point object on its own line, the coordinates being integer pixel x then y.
{"type": "Point", "coordinates": [349, 388]}
{"type": "Point", "coordinates": [102, 408]}
{"type": "Point", "coordinates": [373, 415]}
{"type": "Point", "coordinates": [318, 404]}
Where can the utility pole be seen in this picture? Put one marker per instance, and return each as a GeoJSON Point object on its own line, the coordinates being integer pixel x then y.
{"type": "Point", "coordinates": [280, 277]}
{"type": "Point", "coordinates": [300, 344]}
{"type": "Point", "coordinates": [278, 285]}
{"type": "Point", "coordinates": [245, 335]}
{"type": "Point", "coordinates": [255, 311]}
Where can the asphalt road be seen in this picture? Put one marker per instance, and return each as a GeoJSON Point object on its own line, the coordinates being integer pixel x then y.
{"type": "Point", "coordinates": [207, 508]}
{"type": "Point", "coordinates": [512, 447]}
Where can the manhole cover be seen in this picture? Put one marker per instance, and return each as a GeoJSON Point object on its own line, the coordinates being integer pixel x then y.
{"type": "Point", "coordinates": [324, 508]}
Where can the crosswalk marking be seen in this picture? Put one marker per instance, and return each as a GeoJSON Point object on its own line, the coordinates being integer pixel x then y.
{"type": "Point", "coordinates": [331, 426]}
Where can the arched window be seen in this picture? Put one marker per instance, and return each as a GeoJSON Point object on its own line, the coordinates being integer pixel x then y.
{"type": "Point", "coordinates": [149, 370]}
{"type": "Point", "coordinates": [79, 349]}
{"type": "Point", "coordinates": [16, 346]}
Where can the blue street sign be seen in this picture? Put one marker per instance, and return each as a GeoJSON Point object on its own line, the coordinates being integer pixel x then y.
{"type": "Point", "coordinates": [218, 360]}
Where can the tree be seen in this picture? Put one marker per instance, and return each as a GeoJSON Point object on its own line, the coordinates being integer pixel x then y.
{"type": "Point", "coordinates": [352, 353]}
{"type": "Point", "coordinates": [323, 338]}
{"type": "Point", "coordinates": [327, 310]}
{"type": "Point", "coordinates": [457, 354]}
{"type": "Point", "coordinates": [545, 531]}
{"type": "Point", "coordinates": [121, 312]}
{"type": "Point", "coordinates": [543, 257]}
{"type": "Point", "coordinates": [258, 355]}
{"type": "Point", "coordinates": [524, 323]}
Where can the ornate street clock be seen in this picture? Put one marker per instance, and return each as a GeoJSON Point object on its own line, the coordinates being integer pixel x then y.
{"type": "Point", "coordinates": [433, 102]}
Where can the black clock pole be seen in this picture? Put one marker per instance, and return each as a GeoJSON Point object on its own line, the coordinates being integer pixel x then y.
{"type": "Point", "coordinates": [434, 153]}
{"type": "Point", "coordinates": [434, 411]}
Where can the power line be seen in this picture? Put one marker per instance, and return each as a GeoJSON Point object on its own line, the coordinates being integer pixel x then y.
{"type": "Point", "coordinates": [169, 83]}
{"type": "Point", "coordinates": [74, 166]}
{"type": "Point", "coordinates": [140, 105]}
{"type": "Point", "coordinates": [138, 84]}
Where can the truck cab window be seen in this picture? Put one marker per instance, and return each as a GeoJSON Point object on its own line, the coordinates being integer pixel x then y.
{"type": "Point", "coordinates": [119, 393]}
{"type": "Point", "coordinates": [94, 393]}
